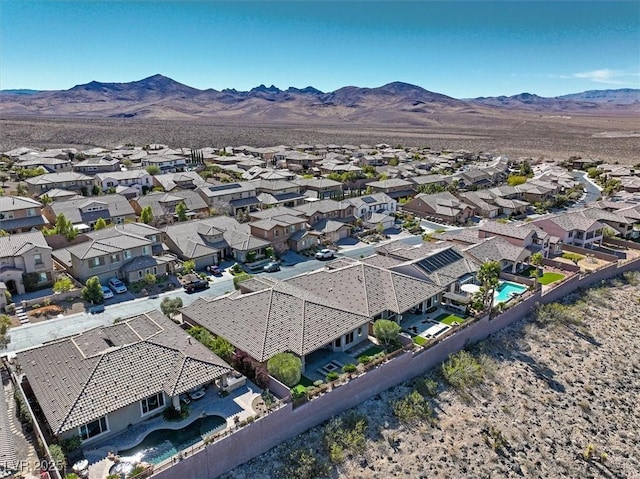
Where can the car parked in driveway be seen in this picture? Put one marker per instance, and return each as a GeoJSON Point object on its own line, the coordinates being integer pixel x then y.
{"type": "Point", "coordinates": [106, 292]}
{"type": "Point", "coordinates": [215, 270]}
{"type": "Point", "coordinates": [271, 267]}
{"type": "Point", "coordinates": [117, 285]}
{"type": "Point", "coordinates": [325, 254]}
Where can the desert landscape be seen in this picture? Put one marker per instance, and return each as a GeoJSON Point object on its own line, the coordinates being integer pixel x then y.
{"type": "Point", "coordinates": [557, 399]}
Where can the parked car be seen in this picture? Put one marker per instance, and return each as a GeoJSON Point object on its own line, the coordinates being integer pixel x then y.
{"type": "Point", "coordinates": [117, 285]}
{"type": "Point", "coordinates": [325, 254]}
{"type": "Point", "coordinates": [106, 292]}
{"type": "Point", "coordinates": [271, 267]}
{"type": "Point", "coordinates": [98, 308]}
{"type": "Point", "coordinates": [196, 285]}
{"type": "Point", "coordinates": [215, 270]}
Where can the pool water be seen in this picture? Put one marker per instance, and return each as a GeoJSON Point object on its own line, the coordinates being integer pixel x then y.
{"type": "Point", "coordinates": [161, 444]}
{"type": "Point", "coordinates": [506, 289]}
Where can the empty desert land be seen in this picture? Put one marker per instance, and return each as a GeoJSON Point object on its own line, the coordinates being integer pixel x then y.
{"type": "Point", "coordinates": [559, 401]}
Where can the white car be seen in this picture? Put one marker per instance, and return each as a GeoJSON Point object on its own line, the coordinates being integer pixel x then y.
{"type": "Point", "coordinates": [106, 293]}
{"type": "Point", "coordinates": [117, 285]}
{"type": "Point", "coordinates": [325, 254]}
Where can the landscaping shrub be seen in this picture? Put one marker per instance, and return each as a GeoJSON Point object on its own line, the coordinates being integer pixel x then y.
{"type": "Point", "coordinates": [239, 277]}
{"type": "Point", "coordinates": [412, 408]}
{"type": "Point", "coordinates": [170, 413]}
{"type": "Point", "coordinates": [286, 368]}
{"type": "Point", "coordinates": [386, 331]}
{"type": "Point", "coordinates": [332, 376]}
{"type": "Point", "coordinates": [71, 444]}
{"type": "Point", "coordinates": [575, 257]}
{"type": "Point", "coordinates": [57, 456]}
{"type": "Point", "coordinates": [349, 368]}
{"type": "Point", "coordinates": [364, 359]}
{"type": "Point", "coordinates": [463, 370]}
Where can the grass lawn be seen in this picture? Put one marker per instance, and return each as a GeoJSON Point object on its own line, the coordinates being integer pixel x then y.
{"type": "Point", "coordinates": [450, 319]}
{"type": "Point", "coordinates": [372, 351]}
{"type": "Point", "coordinates": [419, 340]}
{"type": "Point", "coordinates": [548, 278]}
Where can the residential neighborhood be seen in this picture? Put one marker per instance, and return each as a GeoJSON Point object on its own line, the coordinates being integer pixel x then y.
{"type": "Point", "coordinates": [256, 253]}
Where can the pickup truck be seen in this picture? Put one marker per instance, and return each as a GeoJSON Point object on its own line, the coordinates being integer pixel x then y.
{"type": "Point", "coordinates": [192, 283]}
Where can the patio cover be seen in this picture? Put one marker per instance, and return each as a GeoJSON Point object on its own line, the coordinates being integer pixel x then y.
{"type": "Point", "coordinates": [458, 298]}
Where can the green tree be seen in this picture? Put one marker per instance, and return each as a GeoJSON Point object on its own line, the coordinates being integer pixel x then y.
{"type": "Point", "coordinates": [149, 279]}
{"type": "Point", "coordinates": [286, 368]}
{"type": "Point", "coordinates": [4, 178]}
{"type": "Point", "coordinates": [45, 200]}
{"type": "Point", "coordinates": [515, 180]}
{"type": "Point", "coordinates": [394, 161]}
{"type": "Point", "coordinates": [222, 348]}
{"type": "Point", "coordinates": [100, 224]}
{"type": "Point", "coordinates": [5, 322]}
{"type": "Point", "coordinates": [22, 189]}
{"type": "Point", "coordinates": [189, 266]}
{"type": "Point", "coordinates": [181, 211]}
{"type": "Point", "coordinates": [153, 170]}
{"type": "Point", "coordinates": [62, 285]}
{"type": "Point", "coordinates": [386, 331]}
{"type": "Point", "coordinates": [170, 306]}
{"type": "Point", "coordinates": [489, 277]}
{"type": "Point", "coordinates": [536, 260]}
{"type": "Point", "coordinates": [593, 173]}
{"type": "Point", "coordinates": [64, 227]}
{"type": "Point", "coordinates": [3, 233]}
{"type": "Point", "coordinates": [525, 169]}
{"type": "Point", "coordinates": [92, 291]}
{"type": "Point", "coordinates": [146, 215]}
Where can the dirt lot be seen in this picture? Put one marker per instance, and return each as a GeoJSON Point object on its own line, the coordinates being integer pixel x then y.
{"type": "Point", "coordinates": [518, 134]}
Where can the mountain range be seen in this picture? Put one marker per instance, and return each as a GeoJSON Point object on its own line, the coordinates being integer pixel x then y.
{"type": "Point", "coordinates": [159, 97]}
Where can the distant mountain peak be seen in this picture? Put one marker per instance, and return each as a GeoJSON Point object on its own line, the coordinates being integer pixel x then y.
{"type": "Point", "coordinates": [262, 88]}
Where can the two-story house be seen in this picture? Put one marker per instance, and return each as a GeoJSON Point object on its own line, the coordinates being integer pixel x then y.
{"type": "Point", "coordinates": [124, 252]}
{"type": "Point", "coordinates": [49, 164]}
{"type": "Point", "coordinates": [69, 180]}
{"type": "Point", "coordinates": [163, 205]}
{"type": "Point", "coordinates": [320, 188]}
{"type": "Point", "coordinates": [84, 212]}
{"type": "Point", "coordinates": [19, 214]}
{"type": "Point", "coordinates": [25, 262]}
{"type": "Point", "coordinates": [573, 228]}
{"type": "Point", "coordinates": [525, 235]}
{"type": "Point", "coordinates": [278, 230]}
{"type": "Point", "coordinates": [395, 188]}
{"type": "Point", "coordinates": [185, 180]}
{"type": "Point", "coordinates": [138, 179]}
{"type": "Point", "coordinates": [230, 198]}
{"type": "Point", "coordinates": [91, 166]}
{"type": "Point", "coordinates": [278, 193]}
{"type": "Point", "coordinates": [166, 163]}
{"type": "Point", "coordinates": [367, 205]}
{"type": "Point", "coordinates": [440, 207]}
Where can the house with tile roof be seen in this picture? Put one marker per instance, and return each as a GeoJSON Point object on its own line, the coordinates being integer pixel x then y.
{"type": "Point", "coordinates": [395, 188]}
{"type": "Point", "coordinates": [320, 188]}
{"type": "Point", "coordinates": [69, 180]}
{"type": "Point", "coordinates": [25, 262]}
{"type": "Point", "coordinates": [163, 205]}
{"type": "Point", "coordinates": [167, 163]}
{"type": "Point", "coordinates": [573, 228]}
{"type": "Point", "coordinates": [441, 207]}
{"type": "Point", "coordinates": [20, 214]}
{"type": "Point", "coordinates": [127, 252]}
{"type": "Point", "coordinates": [103, 164]}
{"type": "Point", "coordinates": [102, 381]}
{"type": "Point", "coordinates": [329, 308]}
{"type": "Point", "coordinates": [526, 235]}
{"type": "Point", "coordinates": [367, 205]}
{"type": "Point", "coordinates": [138, 179]}
{"type": "Point", "coordinates": [84, 212]}
{"type": "Point", "coordinates": [283, 232]}
{"type": "Point", "coordinates": [185, 180]}
{"type": "Point", "coordinates": [209, 241]}
{"type": "Point", "coordinates": [47, 163]}
{"type": "Point", "coordinates": [232, 198]}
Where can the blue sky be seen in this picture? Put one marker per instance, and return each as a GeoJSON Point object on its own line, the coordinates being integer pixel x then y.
{"type": "Point", "coordinates": [461, 49]}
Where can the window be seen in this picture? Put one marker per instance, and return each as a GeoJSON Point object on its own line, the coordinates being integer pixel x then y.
{"type": "Point", "coordinates": [94, 262]}
{"type": "Point", "coordinates": [115, 258]}
{"type": "Point", "coordinates": [152, 403]}
{"type": "Point", "coordinates": [276, 233]}
{"type": "Point", "coordinates": [140, 274]}
{"type": "Point", "coordinates": [31, 212]}
{"type": "Point", "coordinates": [37, 259]}
{"type": "Point", "coordinates": [126, 254]}
{"type": "Point", "coordinates": [348, 339]}
{"type": "Point", "coordinates": [338, 342]}
{"type": "Point", "coordinates": [94, 428]}
{"type": "Point", "coordinates": [360, 331]}
{"type": "Point", "coordinates": [43, 278]}
{"type": "Point", "coordinates": [145, 250]}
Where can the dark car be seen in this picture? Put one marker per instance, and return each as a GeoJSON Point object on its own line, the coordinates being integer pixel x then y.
{"type": "Point", "coordinates": [215, 270]}
{"type": "Point", "coordinates": [98, 308]}
{"type": "Point", "coordinates": [271, 267]}
{"type": "Point", "coordinates": [197, 285]}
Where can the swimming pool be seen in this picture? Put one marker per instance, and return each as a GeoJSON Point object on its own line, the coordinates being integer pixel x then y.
{"type": "Point", "coordinates": [507, 289]}
{"type": "Point", "coordinates": [161, 444]}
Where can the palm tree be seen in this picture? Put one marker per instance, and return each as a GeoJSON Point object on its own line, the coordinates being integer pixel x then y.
{"type": "Point", "coordinates": [536, 260]}
{"type": "Point", "coordinates": [489, 276]}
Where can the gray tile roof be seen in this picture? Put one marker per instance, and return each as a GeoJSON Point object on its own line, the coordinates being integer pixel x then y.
{"type": "Point", "coordinates": [111, 206]}
{"type": "Point", "coordinates": [163, 204]}
{"type": "Point", "coordinates": [169, 181]}
{"type": "Point", "coordinates": [573, 220]}
{"type": "Point", "coordinates": [497, 249]}
{"type": "Point", "coordinates": [68, 176]}
{"type": "Point", "coordinates": [13, 203]}
{"type": "Point", "coordinates": [81, 378]}
{"type": "Point", "coordinates": [8, 459]}
{"type": "Point", "coordinates": [18, 244]}
{"type": "Point", "coordinates": [113, 243]}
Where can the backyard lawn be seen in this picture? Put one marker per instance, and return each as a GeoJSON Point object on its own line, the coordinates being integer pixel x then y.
{"type": "Point", "coordinates": [372, 351]}
{"type": "Point", "coordinates": [548, 278]}
{"type": "Point", "coordinates": [450, 319]}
